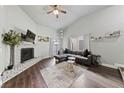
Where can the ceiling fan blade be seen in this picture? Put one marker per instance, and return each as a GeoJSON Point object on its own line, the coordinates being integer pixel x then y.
{"type": "Point", "coordinates": [49, 12]}
{"type": "Point", "coordinates": [62, 11]}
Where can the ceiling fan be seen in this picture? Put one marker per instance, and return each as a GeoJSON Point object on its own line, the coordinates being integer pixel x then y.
{"type": "Point", "coordinates": [56, 9]}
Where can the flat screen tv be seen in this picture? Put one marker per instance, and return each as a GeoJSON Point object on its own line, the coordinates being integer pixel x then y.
{"type": "Point", "coordinates": [29, 37]}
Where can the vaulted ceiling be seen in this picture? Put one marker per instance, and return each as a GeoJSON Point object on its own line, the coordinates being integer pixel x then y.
{"type": "Point", "coordinates": [38, 13]}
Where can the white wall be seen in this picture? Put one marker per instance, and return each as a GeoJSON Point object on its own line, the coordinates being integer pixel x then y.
{"type": "Point", "coordinates": [42, 48]}
{"type": "Point", "coordinates": [13, 16]}
{"type": "Point", "coordinates": [2, 30]}
{"type": "Point", "coordinates": [109, 19]}
{"type": "Point", "coordinates": [17, 18]}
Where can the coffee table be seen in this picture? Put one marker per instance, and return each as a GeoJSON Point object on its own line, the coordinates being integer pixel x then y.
{"type": "Point", "coordinates": [70, 65]}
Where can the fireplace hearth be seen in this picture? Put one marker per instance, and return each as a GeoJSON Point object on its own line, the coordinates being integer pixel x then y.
{"type": "Point", "coordinates": [26, 54]}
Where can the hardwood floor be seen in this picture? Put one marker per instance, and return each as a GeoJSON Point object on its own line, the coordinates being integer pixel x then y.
{"type": "Point", "coordinates": [32, 78]}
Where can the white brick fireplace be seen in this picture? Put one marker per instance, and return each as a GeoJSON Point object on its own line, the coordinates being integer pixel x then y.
{"type": "Point", "coordinates": [18, 51]}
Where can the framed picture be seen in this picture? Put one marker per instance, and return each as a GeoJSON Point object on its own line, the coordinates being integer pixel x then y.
{"type": "Point", "coordinates": [43, 39]}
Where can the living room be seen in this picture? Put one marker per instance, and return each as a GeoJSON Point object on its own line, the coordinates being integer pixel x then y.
{"type": "Point", "coordinates": [95, 32]}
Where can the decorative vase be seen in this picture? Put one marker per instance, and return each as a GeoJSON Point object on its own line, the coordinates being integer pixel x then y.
{"type": "Point", "coordinates": [12, 50]}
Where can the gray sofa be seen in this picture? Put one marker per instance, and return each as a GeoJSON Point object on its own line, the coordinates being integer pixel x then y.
{"type": "Point", "coordinates": [82, 58]}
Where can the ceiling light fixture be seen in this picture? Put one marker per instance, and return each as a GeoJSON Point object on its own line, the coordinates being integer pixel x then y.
{"type": "Point", "coordinates": [56, 10]}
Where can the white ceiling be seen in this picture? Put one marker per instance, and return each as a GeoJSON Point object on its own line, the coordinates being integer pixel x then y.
{"type": "Point", "coordinates": [74, 12]}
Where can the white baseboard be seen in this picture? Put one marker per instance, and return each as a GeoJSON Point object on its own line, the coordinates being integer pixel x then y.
{"type": "Point", "coordinates": [119, 65]}
{"type": "Point", "coordinates": [109, 65]}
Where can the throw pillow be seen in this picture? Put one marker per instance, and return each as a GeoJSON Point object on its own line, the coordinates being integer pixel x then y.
{"type": "Point", "coordinates": [85, 53]}
{"type": "Point", "coordinates": [66, 50]}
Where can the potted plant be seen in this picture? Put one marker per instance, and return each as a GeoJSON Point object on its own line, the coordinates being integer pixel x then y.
{"type": "Point", "coordinates": [12, 39]}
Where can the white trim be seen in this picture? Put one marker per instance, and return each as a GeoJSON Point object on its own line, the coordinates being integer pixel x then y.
{"type": "Point", "coordinates": [122, 74]}
{"type": "Point", "coordinates": [109, 65]}
{"type": "Point", "coordinates": [119, 65]}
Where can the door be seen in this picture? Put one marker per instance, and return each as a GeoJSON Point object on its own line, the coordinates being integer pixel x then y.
{"type": "Point", "coordinates": [54, 47]}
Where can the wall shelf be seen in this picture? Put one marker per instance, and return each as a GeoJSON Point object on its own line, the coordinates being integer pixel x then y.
{"type": "Point", "coordinates": [113, 35]}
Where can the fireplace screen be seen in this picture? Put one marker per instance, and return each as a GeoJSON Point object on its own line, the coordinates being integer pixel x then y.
{"type": "Point", "coordinates": [26, 54]}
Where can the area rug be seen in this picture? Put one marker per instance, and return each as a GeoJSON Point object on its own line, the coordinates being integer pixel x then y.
{"type": "Point", "coordinates": [58, 76]}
